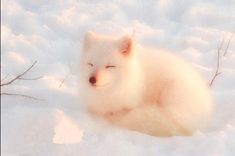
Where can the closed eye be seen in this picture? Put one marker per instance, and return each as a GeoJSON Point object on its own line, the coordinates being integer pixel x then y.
{"type": "Point", "coordinates": [110, 66]}
{"type": "Point", "coordinates": [90, 64]}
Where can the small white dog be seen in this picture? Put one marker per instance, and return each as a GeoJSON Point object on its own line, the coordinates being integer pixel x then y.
{"type": "Point", "coordinates": [150, 91]}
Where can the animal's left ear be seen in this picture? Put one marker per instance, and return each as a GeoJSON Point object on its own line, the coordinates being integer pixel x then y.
{"type": "Point", "coordinates": [89, 38]}
{"type": "Point", "coordinates": [126, 45]}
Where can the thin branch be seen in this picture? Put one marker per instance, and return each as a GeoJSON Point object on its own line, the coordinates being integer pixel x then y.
{"type": "Point", "coordinates": [218, 62]}
{"type": "Point", "coordinates": [62, 82]}
{"type": "Point", "coordinates": [228, 44]}
{"type": "Point", "coordinates": [19, 76]}
{"type": "Point", "coordinates": [22, 95]}
{"type": "Point", "coordinates": [219, 51]}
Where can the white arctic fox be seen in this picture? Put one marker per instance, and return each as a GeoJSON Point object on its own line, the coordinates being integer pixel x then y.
{"type": "Point", "coordinates": [150, 91]}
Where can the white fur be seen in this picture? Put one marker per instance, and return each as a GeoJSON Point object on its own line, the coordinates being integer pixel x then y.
{"type": "Point", "coordinates": [149, 90]}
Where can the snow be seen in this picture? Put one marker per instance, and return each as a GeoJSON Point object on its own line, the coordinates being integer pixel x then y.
{"type": "Point", "coordinates": [50, 32]}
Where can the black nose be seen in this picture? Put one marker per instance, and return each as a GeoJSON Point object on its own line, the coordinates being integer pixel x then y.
{"type": "Point", "coordinates": [92, 80]}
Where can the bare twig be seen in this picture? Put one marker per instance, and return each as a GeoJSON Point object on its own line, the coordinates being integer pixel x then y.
{"type": "Point", "coordinates": [62, 82]}
{"type": "Point", "coordinates": [19, 76]}
{"type": "Point", "coordinates": [219, 51]}
{"type": "Point", "coordinates": [218, 62]}
{"type": "Point", "coordinates": [228, 44]}
{"type": "Point", "coordinates": [22, 95]}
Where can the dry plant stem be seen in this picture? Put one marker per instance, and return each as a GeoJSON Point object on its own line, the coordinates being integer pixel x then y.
{"type": "Point", "coordinates": [228, 44]}
{"type": "Point", "coordinates": [62, 82]}
{"type": "Point", "coordinates": [218, 62]}
{"type": "Point", "coordinates": [18, 77]}
{"type": "Point", "coordinates": [22, 95]}
{"type": "Point", "coordinates": [219, 51]}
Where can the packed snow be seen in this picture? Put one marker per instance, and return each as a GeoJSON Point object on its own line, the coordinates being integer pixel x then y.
{"type": "Point", "coordinates": [50, 32]}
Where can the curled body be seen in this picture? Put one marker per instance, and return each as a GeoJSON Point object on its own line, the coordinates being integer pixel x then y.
{"type": "Point", "coordinates": [147, 90]}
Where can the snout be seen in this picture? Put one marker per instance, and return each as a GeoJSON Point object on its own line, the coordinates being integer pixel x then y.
{"type": "Point", "coordinates": [98, 80]}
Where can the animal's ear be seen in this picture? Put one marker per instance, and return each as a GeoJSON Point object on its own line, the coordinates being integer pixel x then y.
{"type": "Point", "coordinates": [88, 39]}
{"type": "Point", "coordinates": [126, 45]}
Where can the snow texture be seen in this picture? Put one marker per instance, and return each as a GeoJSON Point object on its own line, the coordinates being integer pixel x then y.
{"type": "Point", "coordinates": [51, 31]}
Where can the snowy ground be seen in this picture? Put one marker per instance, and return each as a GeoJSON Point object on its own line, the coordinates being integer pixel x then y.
{"type": "Point", "coordinates": [50, 32]}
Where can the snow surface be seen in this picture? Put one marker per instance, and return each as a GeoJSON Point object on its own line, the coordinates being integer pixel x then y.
{"type": "Point", "coordinates": [50, 32]}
